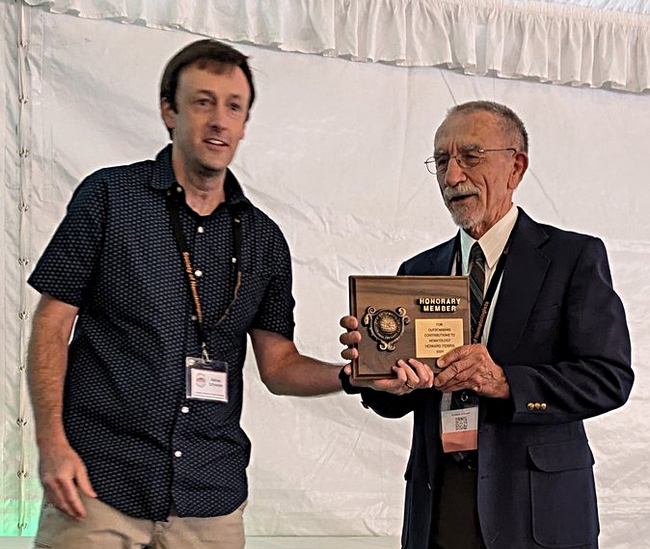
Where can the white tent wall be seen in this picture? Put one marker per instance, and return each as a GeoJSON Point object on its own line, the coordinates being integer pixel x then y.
{"type": "Point", "coordinates": [334, 153]}
{"type": "Point", "coordinates": [16, 498]}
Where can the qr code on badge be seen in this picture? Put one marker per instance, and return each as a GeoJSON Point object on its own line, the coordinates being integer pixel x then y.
{"type": "Point", "coordinates": [461, 423]}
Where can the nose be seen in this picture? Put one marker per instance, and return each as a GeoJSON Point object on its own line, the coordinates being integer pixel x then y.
{"type": "Point", "coordinates": [454, 174]}
{"type": "Point", "coordinates": [218, 118]}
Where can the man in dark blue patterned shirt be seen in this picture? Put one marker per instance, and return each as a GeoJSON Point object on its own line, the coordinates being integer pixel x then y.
{"type": "Point", "coordinates": [166, 267]}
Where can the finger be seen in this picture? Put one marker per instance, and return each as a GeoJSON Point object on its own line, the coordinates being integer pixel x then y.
{"type": "Point", "coordinates": [54, 496]}
{"type": "Point", "coordinates": [389, 386]}
{"type": "Point", "coordinates": [411, 380]}
{"type": "Point", "coordinates": [392, 385]}
{"type": "Point", "coordinates": [467, 377]}
{"type": "Point", "coordinates": [408, 374]}
{"type": "Point", "coordinates": [402, 371]}
{"type": "Point", "coordinates": [395, 385]}
{"type": "Point", "coordinates": [423, 372]}
{"type": "Point", "coordinates": [73, 502]}
{"type": "Point", "coordinates": [349, 354]}
{"type": "Point", "coordinates": [62, 494]}
{"type": "Point", "coordinates": [455, 376]}
{"type": "Point", "coordinates": [349, 322]}
{"type": "Point", "coordinates": [350, 338]}
{"type": "Point", "coordinates": [452, 356]}
{"type": "Point", "coordinates": [83, 483]}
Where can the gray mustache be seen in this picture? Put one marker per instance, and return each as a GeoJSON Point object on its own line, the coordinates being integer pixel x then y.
{"type": "Point", "coordinates": [459, 190]}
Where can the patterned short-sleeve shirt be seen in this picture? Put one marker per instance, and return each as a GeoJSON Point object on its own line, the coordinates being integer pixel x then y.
{"type": "Point", "coordinates": [114, 256]}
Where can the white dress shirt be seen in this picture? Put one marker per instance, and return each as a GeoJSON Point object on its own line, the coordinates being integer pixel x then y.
{"type": "Point", "coordinates": [492, 243]}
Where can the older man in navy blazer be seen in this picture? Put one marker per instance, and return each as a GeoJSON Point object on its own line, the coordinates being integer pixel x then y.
{"type": "Point", "coordinates": [554, 350]}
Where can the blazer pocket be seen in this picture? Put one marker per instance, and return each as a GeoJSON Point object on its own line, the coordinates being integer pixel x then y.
{"type": "Point", "coordinates": [563, 494]}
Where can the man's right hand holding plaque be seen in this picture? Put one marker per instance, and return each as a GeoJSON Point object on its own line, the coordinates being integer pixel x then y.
{"type": "Point", "coordinates": [408, 375]}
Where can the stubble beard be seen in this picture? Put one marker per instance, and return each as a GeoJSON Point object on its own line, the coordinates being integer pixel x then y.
{"type": "Point", "coordinates": [207, 169]}
{"type": "Point", "coordinates": [463, 218]}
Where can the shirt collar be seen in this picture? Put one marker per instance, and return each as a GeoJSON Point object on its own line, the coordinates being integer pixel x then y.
{"type": "Point", "coordinates": [163, 178]}
{"type": "Point", "coordinates": [492, 242]}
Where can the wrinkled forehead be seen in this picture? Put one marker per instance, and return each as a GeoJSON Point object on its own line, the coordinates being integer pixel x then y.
{"type": "Point", "coordinates": [477, 129]}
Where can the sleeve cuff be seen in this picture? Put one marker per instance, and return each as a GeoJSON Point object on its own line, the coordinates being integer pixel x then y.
{"type": "Point", "coordinates": [348, 388]}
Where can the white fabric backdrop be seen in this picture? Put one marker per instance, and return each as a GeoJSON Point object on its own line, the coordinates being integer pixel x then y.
{"type": "Point", "coordinates": [334, 153]}
{"type": "Point", "coordinates": [593, 42]}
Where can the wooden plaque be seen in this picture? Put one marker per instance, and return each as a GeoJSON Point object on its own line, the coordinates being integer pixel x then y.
{"type": "Point", "coordinates": [406, 317]}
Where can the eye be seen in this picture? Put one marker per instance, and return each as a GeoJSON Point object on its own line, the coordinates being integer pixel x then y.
{"type": "Point", "coordinates": [235, 107]}
{"type": "Point", "coordinates": [471, 158]}
{"type": "Point", "coordinates": [202, 102]}
{"type": "Point", "coordinates": [441, 161]}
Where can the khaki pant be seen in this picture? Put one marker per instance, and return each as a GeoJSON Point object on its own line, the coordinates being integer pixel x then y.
{"type": "Point", "coordinates": [106, 528]}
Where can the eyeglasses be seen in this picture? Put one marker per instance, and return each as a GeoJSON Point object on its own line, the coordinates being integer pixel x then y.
{"type": "Point", "coordinates": [438, 164]}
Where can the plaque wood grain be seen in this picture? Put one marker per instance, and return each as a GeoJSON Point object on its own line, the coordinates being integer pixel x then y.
{"type": "Point", "coordinates": [392, 304]}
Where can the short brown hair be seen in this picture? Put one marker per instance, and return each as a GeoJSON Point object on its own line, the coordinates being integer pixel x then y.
{"type": "Point", "coordinates": [205, 54]}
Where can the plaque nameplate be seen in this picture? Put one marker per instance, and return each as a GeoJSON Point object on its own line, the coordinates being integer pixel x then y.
{"type": "Point", "coordinates": [402, 317]}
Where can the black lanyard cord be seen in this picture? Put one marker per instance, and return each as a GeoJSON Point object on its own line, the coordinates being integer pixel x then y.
{"type": "Point", "coordinates": [181, 243]}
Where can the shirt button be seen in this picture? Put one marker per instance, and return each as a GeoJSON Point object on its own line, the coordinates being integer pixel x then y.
{"type": "Point", "coordinates": [200, 230]}
{"type": "Point", "coordinates": [178, 453]}
{"type": "Point", "coordinates": [185, 409]}
{"type": "Point", "coordinates": [198, 272]}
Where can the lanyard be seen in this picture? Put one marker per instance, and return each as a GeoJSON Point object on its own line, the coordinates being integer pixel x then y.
{"type": "Point", "coordinates": [181, 243]}
{"type": "Point", "coordinates": [492, 288]}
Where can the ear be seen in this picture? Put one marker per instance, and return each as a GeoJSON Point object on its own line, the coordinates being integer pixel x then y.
{"type": "Point", "coordinates": [168, 115]}
{"type": "Point", "coordinates": [519, 168]}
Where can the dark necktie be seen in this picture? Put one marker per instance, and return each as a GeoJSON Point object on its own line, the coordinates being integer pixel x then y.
{"type": "Point", "coordinates": [476, 283]}
{"type": "Point", "coordinates": [465, 399]}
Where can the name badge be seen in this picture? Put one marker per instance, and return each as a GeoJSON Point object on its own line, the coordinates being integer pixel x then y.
{"type": "Point", "coordinates": [206, 379]}
{"type": "Point", "coordinates": [459, 427]}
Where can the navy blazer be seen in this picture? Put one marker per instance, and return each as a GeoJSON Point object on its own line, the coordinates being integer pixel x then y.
{"type": "Point", "coordinates": [560, 334]}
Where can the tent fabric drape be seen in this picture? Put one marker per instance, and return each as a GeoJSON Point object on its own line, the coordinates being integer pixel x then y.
{"type": "Point", "coordinates": [334, 153]}
{"type": "Point", "coordinates": [596, 44]}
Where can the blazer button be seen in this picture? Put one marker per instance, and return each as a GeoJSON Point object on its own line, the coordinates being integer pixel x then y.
{"type": "Point", "coordinates": [538, 406]}
{"type": "Point", "coordinates": [543, 406]}
{"type": "Point", "coordinates": [530, 406]}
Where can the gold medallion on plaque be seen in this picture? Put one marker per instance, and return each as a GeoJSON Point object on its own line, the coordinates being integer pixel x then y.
{"type": "Point", "coordinates": [385, 326]}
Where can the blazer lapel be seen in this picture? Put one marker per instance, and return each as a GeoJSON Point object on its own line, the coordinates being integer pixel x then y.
{"type": "Point", "coordinates": [525, 270]}
{"type": "Point", "coordinates": [442, 263]}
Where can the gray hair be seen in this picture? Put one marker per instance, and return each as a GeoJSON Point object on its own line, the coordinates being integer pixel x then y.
{"type": "Point", "coordinates": [511, 122]}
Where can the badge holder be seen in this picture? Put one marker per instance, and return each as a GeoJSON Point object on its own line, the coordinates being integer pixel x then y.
{"type": "Point", "coordinates": [458, 426]}
{"type": "Point", "coordinates": [206, 379]}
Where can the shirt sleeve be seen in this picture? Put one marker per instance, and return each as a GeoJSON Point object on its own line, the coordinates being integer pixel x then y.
{"type": "Point", "coordinates": [67, 267]}
{"type": "Point", "coordinates": [275, 312]}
